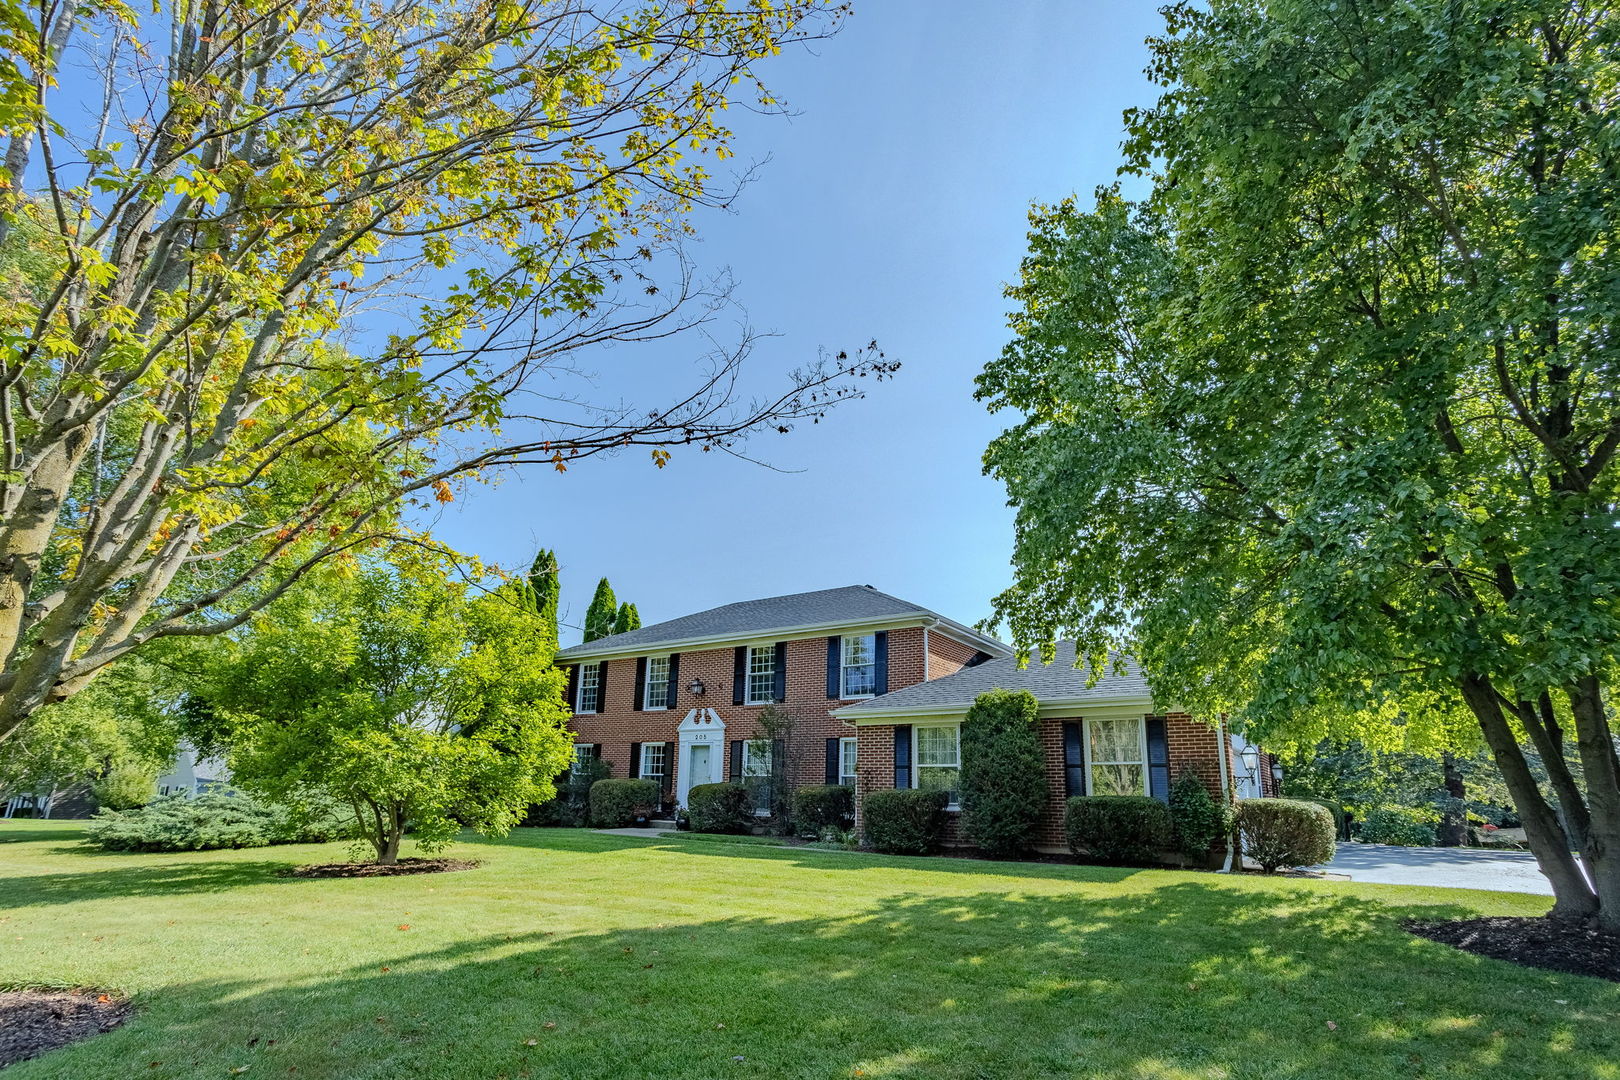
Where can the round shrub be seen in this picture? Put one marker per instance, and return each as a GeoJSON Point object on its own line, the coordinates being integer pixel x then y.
{"type": "Point", "coordinates": [1340, 826]}
{"type": "Point", "coordinates": [1003, 779]}
{"type": "Point", "coordinates": [1285, 832]}
{"type": "Point", "coordinates": [618, 803]}
{"type": "Point", "coordinates": [822, 806]}
{"type": "Point", "coordinates": [904, 821]}
{"type": "Point", "coordinates": [1118, 828]}
{"type": "Point", "coordinates": [212, 821]}
{"type": "Point", "coordinates": [1196, 819]}
{"type": "Point", "coordinates": [718, 808]}
{"type": "Point", "coordinates": [1398, 825]}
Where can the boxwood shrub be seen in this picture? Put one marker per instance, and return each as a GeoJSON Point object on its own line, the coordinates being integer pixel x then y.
{"type": "Point", "coordinates": [212, 821]}
{"type": "Point", "coordinates": [822, 806]}
{"type": "Point", "coordinates": [1285, 832]}
{"type": "Point", "coordinates": [904, 821]}
{"type": "Point", "coordinates": [1118, 828]}
{"type": "Point", "coordinates": [618, 803]}
{"type": "Point", "coordinates": [718, 808]}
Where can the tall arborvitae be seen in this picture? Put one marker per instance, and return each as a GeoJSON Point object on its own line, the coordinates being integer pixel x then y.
{"type": "Point", "coordinates": [600, 615]}
{"type": "Point", "coordinates": [546, 587]}
{"type": "Point", "coordinates": [627, 619]}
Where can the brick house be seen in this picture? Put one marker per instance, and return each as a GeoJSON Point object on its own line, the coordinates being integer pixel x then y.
{"type": "Point", "coordinates": [876, 688]}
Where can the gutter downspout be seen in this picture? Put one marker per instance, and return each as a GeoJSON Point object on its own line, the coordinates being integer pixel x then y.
{"type": "Point", "coordinates": [1224, 742]}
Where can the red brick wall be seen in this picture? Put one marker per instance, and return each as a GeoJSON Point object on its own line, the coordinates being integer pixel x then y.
{"type": "Point", "coordinates": [1191, 744]}
{"type": "Point", "coordinates": [618, 724]}
{"type": "Point", "coordinates": [947, 656]}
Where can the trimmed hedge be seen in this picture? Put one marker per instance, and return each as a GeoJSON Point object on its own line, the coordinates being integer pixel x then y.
{"type": "Point", "coordinates": [1285, 832]}
{"type": "Point", "coordinates": [822, 806]}
{"type": "Point", "coordinates": [1003, 772]}
{"type": "Point", "coordinates": [904, 821]}
{"type": "Point", "coordinates": [213, 821]}
{"type": "Point", "coordinates": [1341, 827]}
{"type": "Point", "coordinates": [718, 808]}
{"type": "Point", "coordinates": [618, 803]}
{"type": "Point", "coordinates": [1118, 828]}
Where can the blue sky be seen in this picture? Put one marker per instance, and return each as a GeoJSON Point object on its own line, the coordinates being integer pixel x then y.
{"type": "Point", "coordinates": [892, 208]}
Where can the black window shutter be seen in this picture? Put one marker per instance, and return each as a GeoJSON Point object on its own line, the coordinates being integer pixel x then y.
{"type": "Point", "coordinates": [1074, 759]}
{"type": "Point", "coordinates": [781, 672]}
{"type": "Point", "coordinates": [596, 751]}
{"type": "Point", "coordinates": [881, 662]}
{"type": "Point", "coordinates": [1158, 748]}
{"type": "Point", "coordinates": [778, 757]}
{"type": "Point", "coordinates": [640, 702]}
{"type": "Point", "coordinates": [669, 769]}
{"type": "Point", "coordinates": [835, 670]}
{"type": "Point", "coordinates": [833, 761]}
{"type": "Point", "coordinates": [573, 687]}
{"type": "Point", "coordinates": [635, 761]}
{"type": "Point", "coordinates": [739, 670]}
{"type": "Point", "coordinates": [902, 755]}
{"type": "Point", "coordinates": [736, 761]}
{"type": "Point", "coordinates": [601, 687]}
{"type": "Point", "coordinates": [674, 679]}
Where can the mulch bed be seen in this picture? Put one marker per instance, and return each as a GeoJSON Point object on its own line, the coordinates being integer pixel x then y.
{"type": "Point", "coordinates": [399, 869]}
{"type": "Point", "coordinates": [1533, 942]}
{"type": "Point", "coordinates": [34, 1021]}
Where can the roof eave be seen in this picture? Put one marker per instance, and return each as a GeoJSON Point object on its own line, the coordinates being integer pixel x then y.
{"type": "Point", "coordinates": [1049, 707]}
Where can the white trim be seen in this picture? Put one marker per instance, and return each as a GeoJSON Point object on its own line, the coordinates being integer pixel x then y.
{"type": "Point", "coordinates": [843, 664]}
{"type": "Point", "coordinates": [966, 636]}
{"type": "Point", "coordinates": [854, 776]}
{"type": "Point", "coordinates": [1051, 708]}
{"type": "Point", "coordinates": [579, 688]}
{"type": "Point", "coordinates": [916, 766]}
{"type": "Point", "coordinates": [749, 673]}
{"type": "Point", "coordinates": [702, 727]}
{"type": "Point", "coordinates": [646, 681]}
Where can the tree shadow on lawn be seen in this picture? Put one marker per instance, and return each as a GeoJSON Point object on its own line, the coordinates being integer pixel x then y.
{"type": "Point", "coordinates": [144, 879]}
{"type": "Point", "coordinates": [1179, 981]}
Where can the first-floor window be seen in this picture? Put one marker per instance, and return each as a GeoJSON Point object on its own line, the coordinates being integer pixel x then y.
{"type": "Point", "coordinates": [761, 674]}
{"type": "Point", "coordinates": [655, 694]}
{"type": "Point", "coordinates": [756, 774]}
{"type": "Point", "coordinates": [583, 752]}
{"type": "Point", "coordinates": [590, 688]}
{"type": "Point", "coordinates": [1116, 757]}
{"type": "Point", "coordinates": [653, 766]}
{"type": "Point", "coordinates": [848, 751]}
{"type": "Point", "coordinates": [859, 668]}
{"type": "Point", "coordinates": [938, 759]}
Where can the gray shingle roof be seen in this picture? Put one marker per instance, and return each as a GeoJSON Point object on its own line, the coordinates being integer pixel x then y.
{"type": "Point", "coordinates": [823, 608]}
{"type": "Point", "coordinates": [1058, 681]}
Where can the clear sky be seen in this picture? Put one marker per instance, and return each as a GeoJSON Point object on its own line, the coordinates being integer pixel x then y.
{"type": "Point", "coordinates": [893, 208]}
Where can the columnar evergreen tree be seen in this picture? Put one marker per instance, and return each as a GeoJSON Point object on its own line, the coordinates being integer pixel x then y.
{"type": "Point", "coordinates": [545, 587]}
{"type": "Point", "coordinates": [1003, 780]}
{"type": "Point", "coordinates": [628, 618]}
{"type": "Point", "coordinates": [1326, 430]}
{"type": "Point", "coordinates": [599, 617]}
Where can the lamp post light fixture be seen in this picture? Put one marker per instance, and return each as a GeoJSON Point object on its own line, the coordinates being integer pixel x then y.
{"type": "Point", "coordinates": [1251, 761]}
{"type": "Point", "coordinates": [696, 687]}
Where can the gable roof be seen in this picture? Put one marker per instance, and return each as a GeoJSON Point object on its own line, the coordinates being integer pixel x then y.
{"type": "Point", "coordinates": [804, 614]}
{"type": "Point", "coordinates": [1057, 683]}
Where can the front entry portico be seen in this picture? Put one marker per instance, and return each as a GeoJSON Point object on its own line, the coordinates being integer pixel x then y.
{"type": "Point", "coordinates": [702, 751]}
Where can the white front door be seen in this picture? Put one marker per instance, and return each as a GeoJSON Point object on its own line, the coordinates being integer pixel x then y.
{"type": "Point", "coordinates": [702, 751]}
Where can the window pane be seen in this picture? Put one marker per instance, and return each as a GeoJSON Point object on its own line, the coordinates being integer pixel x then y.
{"type": "Point", "coordinates": [936, 745]}
{"type": "Point", "coordinates": [848, 752]}
{"type": "Point", "coordinates": [860, 665]}
{"type": "Point", "coordinates": [1118, 780]}
{"type": "Point", "coordinates": [657, 689]}
{"type": "Point", "coordinates": [1116, 741]}
{"type": "Point", "coordinates": [590, 693]}
{"type": "Point", "coordinates": [761, 673]}
{"type": "Point", "coordinates": [935, 779]}
{"type": "Point", "coordinates": [652, 761]}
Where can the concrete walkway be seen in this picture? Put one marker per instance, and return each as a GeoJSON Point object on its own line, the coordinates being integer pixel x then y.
{"type": "Point", "coordinates": [1450, 868]}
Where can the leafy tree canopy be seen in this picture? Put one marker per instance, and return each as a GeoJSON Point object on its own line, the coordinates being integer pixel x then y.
{"type": "Point", "coordinates": [1324, 430]}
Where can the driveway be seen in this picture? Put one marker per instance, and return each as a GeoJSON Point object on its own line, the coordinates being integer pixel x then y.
{"type": "Point", "coordinates": [1451, 868]}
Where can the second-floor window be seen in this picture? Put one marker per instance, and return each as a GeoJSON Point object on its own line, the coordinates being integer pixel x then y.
{"type": "Point", "coordinates": [657, 688]}
{"type": "Point", "coordinates": [589, 698]}
{"type": "Point", "coordinates": [858, 675]}
{"type": "Point", "coordinates": [761, 674]}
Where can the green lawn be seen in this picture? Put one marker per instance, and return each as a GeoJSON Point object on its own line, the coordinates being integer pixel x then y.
{"type": "Point", "coordinates": [570, 954]}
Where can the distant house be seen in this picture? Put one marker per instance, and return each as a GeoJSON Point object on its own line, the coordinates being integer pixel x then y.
{"type": "Point", "coordinates": [877, 687]}
{"type": "Point", "coordinates": [190, 774]}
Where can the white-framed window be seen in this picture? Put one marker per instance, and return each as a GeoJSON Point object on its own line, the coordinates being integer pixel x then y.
{"type": "Point", "coordinates": [653, 764]}
{"type": "Point", "coordinates": [848, 751]}
{"type": "Point", "coordinates": [858, 674]}
{"type": "Point", "coordinates": [761, 674]}
{"type": "Point", "coordinates": [1116, 756]}
{"type": "Point", "coordinates": [936, 758]}
{"type": "Point", "coordinates": [756, 774]}
{"type": "Point", "coordinates": [583, 752]}
{"type": "Point", "coordinates": [655, 694]}
{"type": "Point", "coordinates": [589, 697]}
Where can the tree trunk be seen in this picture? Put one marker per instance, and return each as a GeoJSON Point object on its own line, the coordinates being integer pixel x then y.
{"type": "Point", "coordinates": [1573, 897]}
{"type": "Point", "coordinates": [1594, 739]}
{"type": "Point", "coordinates": [1453, 822]}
